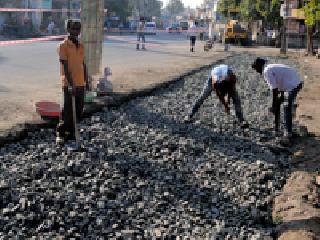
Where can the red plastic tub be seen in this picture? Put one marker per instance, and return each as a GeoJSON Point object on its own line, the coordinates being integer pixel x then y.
{"type": "Point", "coordinates": [48, 110]}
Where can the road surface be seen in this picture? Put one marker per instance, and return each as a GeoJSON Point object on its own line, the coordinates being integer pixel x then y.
{"type": "Point", "coordinates": [30, 72]}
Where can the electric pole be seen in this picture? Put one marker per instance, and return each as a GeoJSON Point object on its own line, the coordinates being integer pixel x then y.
{"type": "Point", "coordinates": [284, 30]}
{"type": "Point", "coordinates": [92, 36]}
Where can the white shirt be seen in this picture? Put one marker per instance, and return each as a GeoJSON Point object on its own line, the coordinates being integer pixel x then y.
{"type": "Point", "coordinates": [281, 76]}
{"type": "Point", "coordinates": [141, 26]}
{"type": "Point", "coordinates": [220, 72]}
{"type": "Point", "coordinates": [193, 32]}
{"type": "Point", "coordinates": [50, 27]}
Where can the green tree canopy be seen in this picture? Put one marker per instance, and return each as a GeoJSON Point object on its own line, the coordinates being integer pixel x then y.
{"type": "Point", "coordinates": [250, 10]}
{"type": "Point", "coordinates": [175, 7]}
{"type": "Point", "coordinates": [147, 7]}
{"type": "Point", "coordinates": [225, 5]}
{"type": "Point", "coordinates": [121, 8]}
{"type": "Point", "coordinates": [312, 12]}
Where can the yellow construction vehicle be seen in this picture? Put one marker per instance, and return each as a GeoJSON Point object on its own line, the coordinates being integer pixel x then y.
{"type": "Point", "coordinates": [235, 33]}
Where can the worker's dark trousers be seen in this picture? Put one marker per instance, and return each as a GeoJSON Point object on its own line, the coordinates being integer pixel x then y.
{"type": "Point", "coordinates": [65, 127]}
{"type": "Point", "coordinates": [206, 92]}
{"type": "Point", "coordinates": [192, 42]}
{"type": "Point", "coordinates": [141, 36]}
{"type": "Point", "coordinates": [288, 107]}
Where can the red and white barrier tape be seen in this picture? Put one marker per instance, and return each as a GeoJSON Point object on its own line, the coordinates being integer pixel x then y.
{"type": "Point", "coordinates": [49, 38]}
{"type": "Point", "coordinates": [120, 39]}
{"type": "Point", "coordinates": [30, 40]}
{"type": "Point", "coordinates": [37, 10]}
{"type": "Point", "coordinates": [115, 30]}
{"type": "Point", "coordinates": [65, 10]}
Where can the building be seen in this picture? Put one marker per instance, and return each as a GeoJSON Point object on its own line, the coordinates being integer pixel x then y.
{"type": "Point", "coordinates": [208, 16]}
{"type": "Point", "coordinates": [35, 22]}
{"type": "Point", "coordinates": [292, 11]}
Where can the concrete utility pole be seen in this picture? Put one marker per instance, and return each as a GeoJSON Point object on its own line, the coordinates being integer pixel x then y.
{"type": "Point", "coordinates": [284, 35]}
{"type": "Point", "coordinates": [92, 19]}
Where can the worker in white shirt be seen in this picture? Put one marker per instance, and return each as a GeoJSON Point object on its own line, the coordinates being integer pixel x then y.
{"type": "Point", "coordinates": [281, 79]}
{"type": "Point", "coordinates": [223, 80]}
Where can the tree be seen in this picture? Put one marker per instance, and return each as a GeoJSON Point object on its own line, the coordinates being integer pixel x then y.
{"type": "Point", "coordinates": [312, 14]}
{"type": "Point", "coordinates": [269, 10]}
{"type": "Point", "coordinates": [147, 8]}
{"type": "Point", "coordinates": [225, 5]}
{"type": "Point", "coordinates": [175, 7]}
{"type": "Point", "coordinates": [248, 11]}
{"type": "Point", "coordinates": [121, 8]}
{"type": "Point", "coordinates": [251, 10]}
{"type": "Point", "coordinates": [153, 8]}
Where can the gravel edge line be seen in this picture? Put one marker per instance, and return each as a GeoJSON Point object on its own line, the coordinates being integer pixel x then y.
{"type": "Point", "coordinates": [20, 131]}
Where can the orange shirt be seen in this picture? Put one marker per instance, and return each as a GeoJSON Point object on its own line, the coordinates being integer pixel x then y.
{"type": "Point", "coordinates": [75, 57]}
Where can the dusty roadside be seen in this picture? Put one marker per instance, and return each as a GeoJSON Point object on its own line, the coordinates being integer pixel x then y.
{"type": "Point", "coordinates": [297, 209]}
{"type": "Point", "coordinates": [26, 81]}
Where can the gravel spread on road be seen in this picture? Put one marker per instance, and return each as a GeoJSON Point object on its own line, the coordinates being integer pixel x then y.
{"type": "Point", "coordinates": [144, 173]}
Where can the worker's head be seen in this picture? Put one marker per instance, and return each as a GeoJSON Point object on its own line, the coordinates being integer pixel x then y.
{"type": "Point", "coordinates": [142, 19]}
{"type": "Point", "coordinates": [258, 64]}
{"type": "Point", "coordinates": [73, 27]}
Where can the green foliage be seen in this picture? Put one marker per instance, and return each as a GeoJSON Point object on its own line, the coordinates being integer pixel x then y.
{"type": "Point", "coordinates": [121, 8]}
{"type": "Point", "coordinates": [312, 12]}
{"type": "Point", "coordinates": [250, 10]}
{"type": "Point", "coordinates": [225, 5]}
{"type": "Point", "coordinates": [153, 8]}
{"type": "Point", "coordinates": [147, 7]}
{"type": "Point", "coordinates": [175, 7]}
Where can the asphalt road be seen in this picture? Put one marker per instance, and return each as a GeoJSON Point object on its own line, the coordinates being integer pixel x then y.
{"type": "Point", "coordinates": [30, 72]}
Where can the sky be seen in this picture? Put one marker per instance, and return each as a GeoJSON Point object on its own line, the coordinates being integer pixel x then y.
{"type": "Point", "coordinates": [191, 3]}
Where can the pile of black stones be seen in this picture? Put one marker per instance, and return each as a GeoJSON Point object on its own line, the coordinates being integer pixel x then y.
{"type": "Point", "coordinates": [142, 173]}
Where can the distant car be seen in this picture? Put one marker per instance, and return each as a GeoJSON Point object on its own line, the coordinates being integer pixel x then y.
{"type": "Point", "coordinates": [150, 28]}
{"type": "Point", "coordinates": [174, 28]}
{"type": "Point", "coordinates": [184, 25]}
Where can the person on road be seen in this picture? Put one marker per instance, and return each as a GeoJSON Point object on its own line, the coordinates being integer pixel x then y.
{"type": "Point", "coordinates": [223, 80]}
{"type": "Point", "coordinates": [281, 79]}
{"type": "Point", "coordinates": [193, 32]}
{"type": "Point", "coordinates": [74, 80]}
{"type": "Point", "coordinates": [51, 27]}
{"type": "Point", "coordinates": [141, 34]}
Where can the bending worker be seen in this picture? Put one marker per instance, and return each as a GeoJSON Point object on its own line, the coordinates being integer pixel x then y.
{"type": "Point", "coordinates": [223, 80]}
{"type": "Point", "coordinates": [280, 78]}
{"type": "Point", "coordinates": [74, 79]}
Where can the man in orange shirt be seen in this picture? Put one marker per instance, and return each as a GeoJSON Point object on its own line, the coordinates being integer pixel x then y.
{"type": "Point", "coordinates": [74, 80]}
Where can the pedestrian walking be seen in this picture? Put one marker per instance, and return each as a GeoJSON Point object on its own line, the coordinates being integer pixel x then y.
{"type": "Point", "coordinates": [74, 80]}
{"type": "Point", "coordinates": [193, 32]}
{"type": "Point", "coordinates": [282, 80]}
{"type": "Point", "coordinates": [222, 80]}
{"type": "Point", "coordinates": [51, 27]}
{"type": "Point", "coordinates": [141, 34]}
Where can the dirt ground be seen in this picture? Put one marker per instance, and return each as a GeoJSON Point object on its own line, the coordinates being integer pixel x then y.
{"type": "Point", "coordinates": [298, 207]}
{"type": "Point", "coordinates": [133, 72]}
